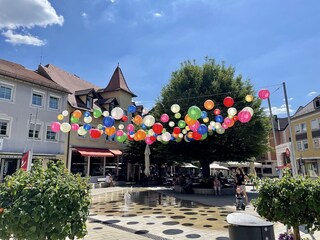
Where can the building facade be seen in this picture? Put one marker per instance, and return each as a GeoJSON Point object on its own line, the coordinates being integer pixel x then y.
{"type": "Point", "coordinates": [84, 154]}
{"type": "Point", "coordinates": [28, 104]}
{"type": "Point", "coordinates": [306, 130]}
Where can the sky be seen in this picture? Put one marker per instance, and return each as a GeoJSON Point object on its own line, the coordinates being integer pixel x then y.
{"type": "Point", "coordinates": [267, 42]}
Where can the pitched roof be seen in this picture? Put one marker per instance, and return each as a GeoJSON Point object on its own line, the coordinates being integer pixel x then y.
{"type": "Point", "coordinates": [70, 81]}
{"type": "Point", "coordinates": [117, 82]}
{"type": "Point", "coordinates": [19, 72]}
{"type": "Point", "coordinates": [280, 124]}
{"type": "Point", "coordinates": [309, 108]}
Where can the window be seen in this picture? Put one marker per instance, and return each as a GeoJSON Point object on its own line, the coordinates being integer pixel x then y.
{"type": "Point", "coordinates": [37, 99]}
{"type": "Point", "coordinates": [50, 135]}
{"type": "Point", "coordinates": [315, 124]}
{"type": "Point", "coordinates": [6, 92]}
{"type": "Point", "coordinates": [54, 103]}
{"type": "Point", "coordinates": [305, 144]}
{"type": "Point", "coordinates": [299, 128]}
{"type": "Point", "coordinates": [35, 129]}
{"type": "Point", "coordinates": [299, 146]}
{"type": "Point", "coordinates": [317, 103]}
{"type": "Point", "coordinates": [89, 102]}
{"type": "Point", "coordinates": [4, 127]}
{"type": "Point", "coordinates": [316, 143]}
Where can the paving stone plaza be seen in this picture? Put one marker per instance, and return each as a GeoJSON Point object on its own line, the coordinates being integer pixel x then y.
{"type": "Point", "coordinates": [161, 213]}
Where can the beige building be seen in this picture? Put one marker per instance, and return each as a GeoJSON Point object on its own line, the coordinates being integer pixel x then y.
{"type": "Point", "coordinates": [306, 133]}
{"type": "Point", "coordinates": [84, 154]}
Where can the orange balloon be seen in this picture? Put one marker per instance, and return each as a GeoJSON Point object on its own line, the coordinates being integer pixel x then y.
{"type": "Point", "coordinates": [138, 120]}
{"type": "Point", "coordinates": [189, 120]}
{"type": "Point", "coordinates": [77, 114]}
{"type": "Point", "coordinates": [140, 135]}
{"type": "Point", "coordinates": [110, 131]}
{"type": "Point", "coordinates": [231, 124]}
{"type": "Point", "coordinates": [190, 135]}
{"type": "Point", "coordinates": [209, 104]}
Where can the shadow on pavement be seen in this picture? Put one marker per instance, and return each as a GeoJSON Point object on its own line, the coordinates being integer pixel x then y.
{"type": "Point", "coordinates": [222, 238]}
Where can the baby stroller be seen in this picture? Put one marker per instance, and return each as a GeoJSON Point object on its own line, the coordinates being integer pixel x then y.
{"type": "Point", "coordinates": [240, 200]}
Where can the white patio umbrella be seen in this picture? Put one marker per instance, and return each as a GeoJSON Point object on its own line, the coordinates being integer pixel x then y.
{"type": "Point", "coordinates": [147, 160]}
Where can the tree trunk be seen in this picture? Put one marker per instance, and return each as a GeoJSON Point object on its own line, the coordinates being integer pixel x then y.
{"type": "Point", "coordinates": [205, 168]}
{"type": "Point", "coordinates": [296, 233]}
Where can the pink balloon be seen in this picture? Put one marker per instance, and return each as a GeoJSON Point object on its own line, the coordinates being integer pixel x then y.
{"type": "Point", "coordinates": [224, 125]}
{"type": "Point", "coordinates": [55, 126]}
{"type": "Point", "coordinates": [74, 126]}
{"type": "Point", "coordinates": [148, 140]}
{"type": "Point", "coordinates": [119, 133]}
{"type": "Point", "coordinates": [164, 118]}
{"type": "Point", "coordinates": [227, 121]}
{"type": "Point", "coordinates": [264, 93]}
{"type": "Point", "coordinates": [244, 116]}
{"type": "Point", "coordinates": [195, 126]}
{"type": "Point", "coordinates": [130, 127]}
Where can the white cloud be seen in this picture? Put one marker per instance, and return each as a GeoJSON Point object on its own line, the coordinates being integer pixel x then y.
{"type": "Point", "coordinates": [18, 39]}
{"type": "Point", "coordinates": [279, 110]}
{"type": "Point", "coordinates": [157, 14]}
{"type": "Point", "coordinates": [21, 14]}
{"type": "Point", "coordinates": [84, 15]}
{"type": "Point", "coordinates": [312, 94]}
{"type": "Point", "coordinates": [112, 1]}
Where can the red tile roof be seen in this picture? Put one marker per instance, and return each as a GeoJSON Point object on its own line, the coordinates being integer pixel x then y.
{"type": "Point", "coordinates": [19, 72]}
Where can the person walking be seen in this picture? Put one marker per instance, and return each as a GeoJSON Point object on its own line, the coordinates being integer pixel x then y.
{"type": "Point", "coordinates": [216, 186]}
{"type": "Point", "coordinates": [241, 179]}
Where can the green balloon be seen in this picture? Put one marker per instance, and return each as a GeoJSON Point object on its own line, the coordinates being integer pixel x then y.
{"type": "Point", "coordinates": [204, 136]}
{"type": "Point", "coordinates": [181, 124]}
{"type": "Point", "coordinates": [97, 113]}
{"type": "Point", "coordinates": [194, 112]}
{"type": "Point", "coordinates": [74, 119]}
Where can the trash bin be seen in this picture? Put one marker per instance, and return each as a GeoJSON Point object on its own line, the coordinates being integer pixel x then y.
{"type": "Point", "coordinates": [247, 227]}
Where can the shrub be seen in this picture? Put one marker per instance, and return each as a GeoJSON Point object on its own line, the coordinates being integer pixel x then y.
{"type": "Point", "coordinates": [44, 204]}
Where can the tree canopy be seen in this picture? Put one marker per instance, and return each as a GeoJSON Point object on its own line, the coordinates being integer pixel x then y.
{"type": "Point", "coordinates": [192, 85]}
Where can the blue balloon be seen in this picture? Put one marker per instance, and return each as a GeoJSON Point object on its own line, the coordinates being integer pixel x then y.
{"type": "Point", "coordinates": [203, 129]}
{"type": "Point", "coordinates": [87, 126]}
{"type": "Point", "coordinates": [204, 114]}
{"type": "Point", "coordinates": [219, 119]}
{"type": "Point", "coordinates": [144, 126]}
{"type": "Point", "coordinates": [132, 109]}
{"type": "Point", "coordinates": [108, 121]}
{"type": "Point", "coordinates": [87, 114]}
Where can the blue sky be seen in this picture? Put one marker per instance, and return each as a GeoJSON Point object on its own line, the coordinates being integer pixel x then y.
{"type": "Point", "coordinates": [268, 42]}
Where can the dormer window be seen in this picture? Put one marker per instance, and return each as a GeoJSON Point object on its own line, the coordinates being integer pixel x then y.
{"type": "Point", "coordinates": [89, 102]}
{"type": "Point", "coordinates": [316, 103]}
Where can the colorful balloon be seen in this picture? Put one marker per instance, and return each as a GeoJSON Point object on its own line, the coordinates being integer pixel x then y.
{"type": "Point", "coordinates": [95, 133]}
{"type": "Point", "coordinates": [87, 126]}
{"type": "Point", "coordinates": [249, 98]}
{"type": "Point", "coordinates": [189, 120]}
{"type": "Point", "coordinates": [228, 101]}
{"type": "Point", "coordinates": [264, 94]}
{"type": "Point", "coordinates": [124, 118]}
{"type": "Point", "coordinates": [97, 112]}
{"type": "Point", "coordinates": [208, 104]}
{"type": "Point", "coordinates": [105, 113]}
{"type": "Point", "coordinates": [77, 114]}
{"type": "Point", "coordinates": [138, 120]}
{"type": "Point", "coordinates": [181, 124]}
{"type": "Point", "coordinates": [157, 128]}
{"type": "Point", "coordinates": [55, 126]}
{"type": "Point", "coordinates": [110, 130]}
{"type": "Point", "coordinates": [194, 112]}
{"type": "Point", "coordinates": [177, 115]}
{"type": "Point", "coordinates": [117, 113]}
{"type": "Point", "coordinates": [175, 108]}
{"type": "Point", "coordinates": [87, 119]}
{"type": "Point", "coordinates": [244, 116]}
{"type": "Point", "coordinates": [216, 111]}
{"type": "Point", "coordinates": [132, 109]}
{"type": "Point", "coordinates": [232, 111]}
{"type": "Point", "coordinates": [81, 131]}
{"type": "Point", "coordinates": [130, 127]}
{"type": "Point", "coordinates": [74, 127]}
{"type": "Point", "coordinates": [164, 118]}
{"type": "Point", "coordinates": [65, 113]}
{"type": "Point", "coordinates": [74, 119]}
{"type": "Point", "coordinates": [108, 121]}
{"type": "Point", "coordinates": [65, 127]}
{"type": "Point", "coordinates": [149, 120]}
{"type": "Point", "coordinates": [60, 117]}
{"type": "Point", "coordinates": [202, 129]}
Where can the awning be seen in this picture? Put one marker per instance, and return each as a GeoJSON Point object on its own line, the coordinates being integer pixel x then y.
{"type": "Point", "coordinates": [188, 165]}
{"type": "Point", "coordinates": [218, 167]}
{"type": "Point", "coordinates": [95, 152]}
{"type": "Point", "coordinates": [116, 152]}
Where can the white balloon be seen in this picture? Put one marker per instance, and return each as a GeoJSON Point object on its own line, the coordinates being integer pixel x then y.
{"type": "Point", "coordinates": [65, 127]}
{"type": "Point", "coordinates": [87, 119]}
{"type": "Point", "coordinates": [180, 135]}
{"type": "Point", "coordinates": [184, 131]}
{"type": "Point", "coordinates": [212, 123]}
{"type": "Point", "coordinates": [149, 120]}
{"type": "Point", "coordinates": [121, 126]}
{"type": "Point", "coordinates": [81, 131]}
{"type": "Point", "coordinates": [175, 108]}
{"type": "Point", "coordinates": [220, 130]}
{"type": "Point", "coordinates": [166, 137]}
{"type": "Point", "coordinates": [105, 113]}
{"type": "Point", "coordinates": [232, 111]}
{"type": "Point", "coordinates": [217, 125]}
{"type": "Point", "coordinates": [145, 111]}
{"type": "Point", "coordinates": [117, 113]}
{"type": "Point", "coordinates": [65, 113]}
{"type": "Point", "coordinates": [171, 124]}
{"type": "Point", "coordinates": [159, 138]}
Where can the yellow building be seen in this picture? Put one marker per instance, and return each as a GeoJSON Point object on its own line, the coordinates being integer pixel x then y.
{"type": "Point", "coordinates": [305, 124]}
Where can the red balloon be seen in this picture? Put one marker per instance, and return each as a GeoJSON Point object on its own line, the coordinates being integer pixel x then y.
{"type": "Point", "coordinates": [124, 118]}
{"type": "Point", "coordinates": [95, 133]}
{"type": "Point", "coordinates": [176, 130]}
{"type": "Point", "coordinates": [196, 136]}
{"type": "Point", "coordinates": [216, 111]}
{"type": "Point", "coordinates": [153, 138]}
{"type": "Point", "coordinates": [228, 101]}
{"type": "Point", "coordinates": [264, 94]}
{"type": "Point", "coordinates": [157, 128]}
{"type": "Point", "coordinates": [235, 118]}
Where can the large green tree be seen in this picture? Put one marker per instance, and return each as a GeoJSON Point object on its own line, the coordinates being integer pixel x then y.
{"type": "Point", "coordinates": [192, 85]}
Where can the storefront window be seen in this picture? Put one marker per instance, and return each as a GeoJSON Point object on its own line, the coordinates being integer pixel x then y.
{"type": "Point", "coordinates": [312, 169]}
{"type": "Point", "coordinates": [96, 166]}
{"type": "Point", "coordinates": [79, 164]}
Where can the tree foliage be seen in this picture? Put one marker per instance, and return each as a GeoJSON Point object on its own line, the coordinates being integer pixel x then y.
{"type": "Point", "coordinates": [44, 204]}
{"type": "Point", "coordinates": [293, 201]}
{"type": "Point", "coordinates": [192, 85]}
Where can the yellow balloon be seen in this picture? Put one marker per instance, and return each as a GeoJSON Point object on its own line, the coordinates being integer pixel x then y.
{"type": "Point", "coordinates": [205, 120]}
{"type": "Point", "coordinates": [60, 117]}
{"type": "Point", "coordinates": [249, 98]}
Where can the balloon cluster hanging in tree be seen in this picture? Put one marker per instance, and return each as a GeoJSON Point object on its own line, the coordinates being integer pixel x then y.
{"type": "Point", "coordinates": [195, 125]}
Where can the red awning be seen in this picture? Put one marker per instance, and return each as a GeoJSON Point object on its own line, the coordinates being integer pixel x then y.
{"type": "Point", "coordinates": [95, 152]}
{"type": "Point", "coordinates": [116, 152]}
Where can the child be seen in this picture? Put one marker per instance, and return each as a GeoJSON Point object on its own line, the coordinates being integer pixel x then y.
{"type": "Point", "coordinates": [216, 186]}
{"type": "Point", "coordinates": [239, 199]}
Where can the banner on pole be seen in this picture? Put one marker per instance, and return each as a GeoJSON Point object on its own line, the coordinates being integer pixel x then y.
{"type": "Point", "coordinates": [25, 161]}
